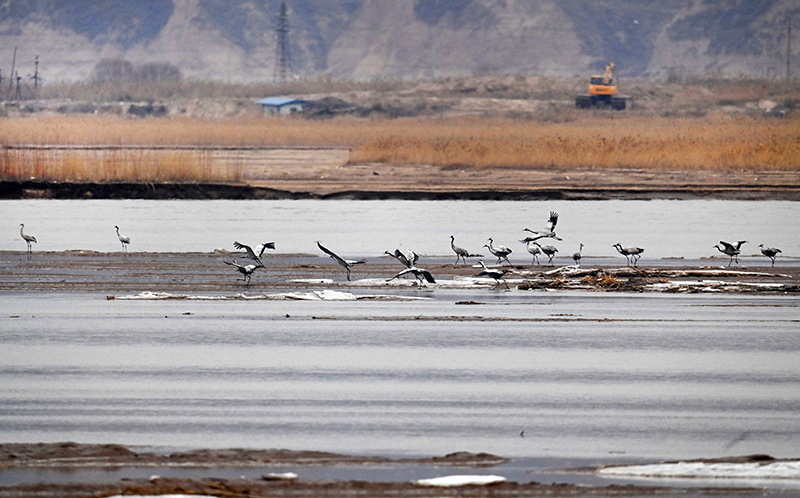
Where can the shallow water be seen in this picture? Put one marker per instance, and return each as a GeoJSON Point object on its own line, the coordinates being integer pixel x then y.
{"type": "Point", "coordinates": [664, 228]}
{"type": "Point", "coordinates": [603, 377]}
{"type": "Point", "coordinates": [645, 376]}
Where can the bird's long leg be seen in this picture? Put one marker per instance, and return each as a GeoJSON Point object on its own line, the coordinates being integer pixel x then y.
{"type": "Point", "coordinates": [731, 261]}
{"type": "Point", "coordinates": [773, 261]}
{"type": "Point", "coordinates": [348, 274]}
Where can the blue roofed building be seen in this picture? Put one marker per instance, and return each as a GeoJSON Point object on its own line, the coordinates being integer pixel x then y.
{"type": "Point", "coordinates": [282, 105]}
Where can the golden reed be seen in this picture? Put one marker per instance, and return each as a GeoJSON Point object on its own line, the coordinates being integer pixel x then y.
{"type": "Point", "coordinates": [656, 143]}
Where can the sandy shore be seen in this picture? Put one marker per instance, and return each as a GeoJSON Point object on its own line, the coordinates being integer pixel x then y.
{"type": "Point", "coordinates": [190, 274]}
{"type": "Point", "coordinates": [69, 455]}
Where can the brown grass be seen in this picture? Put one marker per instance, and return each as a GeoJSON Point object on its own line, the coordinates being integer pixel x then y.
{"type": "Point", "coordinates": [596, 141]}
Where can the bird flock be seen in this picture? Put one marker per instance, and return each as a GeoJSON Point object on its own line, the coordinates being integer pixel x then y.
{"type": "Point", "coordinates": [409, 259]}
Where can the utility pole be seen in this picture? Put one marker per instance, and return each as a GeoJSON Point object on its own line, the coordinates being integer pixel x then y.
{"type": "Point", "coordinates": [283, 63]}
{"type": "Point", "coordinates": [13, 64]}
{"type": "Point", "coordinates": [788, 48]}
{"type": "Point", "coordinates": [36, 73]}
{"type": "Point", "coordinates": [18, 94]}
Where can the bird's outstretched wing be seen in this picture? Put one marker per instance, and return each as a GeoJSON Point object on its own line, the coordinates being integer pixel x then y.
{"type": "Point", "coordinates": [332, 254]}
{"type": "Point", "coordinates": [399, 256]}
{"type": "Point", "coordinates": [232, 263]}
{"type": "Point", "coordinates": [427, 276]}
{"type": "Point", "coordinates": [351, 262]}
{"type": "Point", "coordinates": [728, 246]}
{"type": "Point", "coordinates": [246, 248]}
{"type": "Point", "coordinates": [261, 247]}
{"type": "Point", "coordinates": [552, 222]}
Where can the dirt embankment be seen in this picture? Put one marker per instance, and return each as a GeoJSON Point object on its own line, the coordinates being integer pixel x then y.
{"type": "Point", "coordinates": [285, 173]}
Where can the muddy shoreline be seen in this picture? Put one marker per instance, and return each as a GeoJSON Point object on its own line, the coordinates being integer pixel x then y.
{"type": "Point", "coordinates": [71, 455]}
{"type": "Point", "coordinates": [183, 275]}
{"type": "Point", "coordinates": [10, 190]}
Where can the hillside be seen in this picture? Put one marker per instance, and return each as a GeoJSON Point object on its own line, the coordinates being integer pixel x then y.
{"type": "Point", "coordinates": [234, 40]}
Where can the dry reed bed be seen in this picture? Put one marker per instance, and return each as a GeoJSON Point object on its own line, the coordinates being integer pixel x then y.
{"type": "Point", "coordinates": [594, 141]}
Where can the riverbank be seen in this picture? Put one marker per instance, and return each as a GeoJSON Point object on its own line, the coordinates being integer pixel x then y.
{"type": "Point", "coordinates": [77, 457]}
{"type": "Point", "coordinates": [144, 275]}
{"type": "Point", "coordinates": [381, 181]}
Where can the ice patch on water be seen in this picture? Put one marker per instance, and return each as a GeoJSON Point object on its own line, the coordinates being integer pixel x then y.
{"type": "Point", "coordinates": [789, 469]}
{"type": "Point", "coordinates": [321, 295]}
{"type": "Point", "coordinates": [466, 480]}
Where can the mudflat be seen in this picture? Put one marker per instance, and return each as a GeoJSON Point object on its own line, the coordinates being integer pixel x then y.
{"type": "Point", "coordinates": [185, 274]}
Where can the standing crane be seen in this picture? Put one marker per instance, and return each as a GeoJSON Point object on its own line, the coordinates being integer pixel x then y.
{"type": "Point", "coordinates": [549, 250]}
{"type": "Point", "coordinates": [577, 256]}
{"type": "Point", "coordinates": [123, 240]}
{"type": "Point", "coordinates": [500, 251]}
{"type": "Point", "coordinates": [28, 238]}
{"type": "Point", "coordinates": [345, 263]}
{"type": "Point", "coordinates": [461, 253]}
{"type": "Point", "coordinates": [534, 250]}
{"type": "Point", "coordinates": [770, 252]}
{"type": "Point", "coordinates": [632, 254]}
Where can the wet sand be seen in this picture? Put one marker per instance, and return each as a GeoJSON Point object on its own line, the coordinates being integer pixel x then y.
{"type": "Point", "coordinates": [69, 455]}
{"type": "Point", "coordinates": [183, 274]}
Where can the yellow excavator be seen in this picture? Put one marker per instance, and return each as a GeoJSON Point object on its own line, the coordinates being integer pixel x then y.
{"type": "Point", "coordinates": [602, 92]}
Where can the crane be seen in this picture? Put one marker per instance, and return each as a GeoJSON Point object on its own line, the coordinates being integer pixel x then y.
{"type": "Point", "coordinates": [548, 232]}
{"type": "Point", "coordinates": [732, 250]}
{"type": "Point", "coordinates": [345, 263]}
{"type": "Point", "coordinates": [549, 250]}
{"type": "Point", "coordinates": [461, 253]}
{"type": "Point", "coordinates": [577, 256]}
{"type": "Point", "coordinates": [123, 240]}
{"type": "Point", "coordinates": [254, 255]}
{"type": "Point", "coordinates": [496, 273]}
{"type": "Point", "coordinates": [245, 270]}
{"type": "Point", "coordinates": [534, 250]}
{"type": "Point", "coordinates": [500, 251]}
{"type": "Point", "coordinates": [420, 274]}
{"type": "Point", "coordinates": [770, 252]}
{"type": "Point", "coordinates": [407, 260]}
{"type": "Point", "coordinates": [28, 238]}
{"type": "Point", "coordinates": [632, 254]}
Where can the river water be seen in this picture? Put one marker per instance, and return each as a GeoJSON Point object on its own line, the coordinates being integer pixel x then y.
{"type": "Point", "coordinates": [666, 229]}
{"type": "Point", "coordinates": [586, 376]}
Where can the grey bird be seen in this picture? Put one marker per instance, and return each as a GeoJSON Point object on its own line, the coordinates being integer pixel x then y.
{"type": "Point", "coordinates": [461, 253]}
{"type": "Point", "coordinates": [632, 254]}
{"type": "Point", "coordinates": [732, 250]}
{"type": "Point", "coordinates": [534, 250]}
{"type": "Point", "coordinates": [344, 263]}
{"type": "Point", "coordinates": [496, 273]}
{"type": "Point", "coordinates": [420, 274]}
{"type": "Point", "coordinates": [407, 260]}
{"type": "Point", "coordinates": [577, 256]}
{"type": "Point", "coordinates": [123, 240]}
{"type": "Point", "coordinates": [550, 251]}
{"type": "Point", "coordinates": [548, 232]}
{"type": "Point", "coordinates": [28, 238]}
{"type": "Point", "coordinates": [500, 251]}
{"type": "Point", "coordinates": [245, 270]}
{"type": "Point", "coordinates": [254, 255]}
{"type": "Point", "coordinates": [770, 252]}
